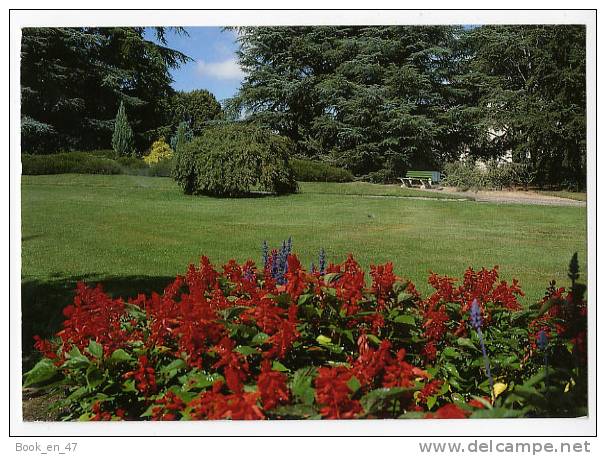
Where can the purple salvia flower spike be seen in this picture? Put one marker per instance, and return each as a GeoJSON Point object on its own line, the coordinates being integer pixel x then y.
{"type": "Point", "coordinates": [475, 317]}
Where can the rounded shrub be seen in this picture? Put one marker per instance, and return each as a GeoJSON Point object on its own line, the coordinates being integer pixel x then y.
{"type": "Point", "coordinates": [160, 151]}
{"type": "Point", "coordinates": [235, 160]}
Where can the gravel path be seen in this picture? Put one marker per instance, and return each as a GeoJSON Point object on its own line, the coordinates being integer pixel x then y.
{"type": "Point", "coordinates": [511, 197]}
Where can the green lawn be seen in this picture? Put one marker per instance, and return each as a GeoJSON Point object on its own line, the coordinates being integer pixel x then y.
{"type": "Point", "coordinates": [135, 233]}
{"type": "Point", "coordinates": [367, 189]}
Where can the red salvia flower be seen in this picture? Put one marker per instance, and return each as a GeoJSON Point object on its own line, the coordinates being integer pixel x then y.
{"type": "Point", "coordinates": [282, 340]}
{"type": "Point", "coordinates": [235, 366]}
{"type": "Point", "coordinates": [296, 278]}
{"type": "Point", "coordinates": [383, 280]}
{"type": "Point", "coordinates": [448, 411]}
{"type": "Point", "coordinates": [48, 349]}
{"type": "Point", "coordinates": [145, 376]}
{"type": "Point", "coordinates": [168, 406]}
{"type": "Point", "coordinates": [271, 386]}
{"type": "Point", "coordinates": [99, 414]}
{"type": "Point", "coordinates": [333, 393]}
{"type": "Point", "coordinates": [400, 373]}
{"type": "Point", "coordinates": [431, 388]}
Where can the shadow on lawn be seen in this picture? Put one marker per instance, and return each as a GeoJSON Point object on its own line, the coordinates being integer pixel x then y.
{"type": "Point", "coordinates": [42, 303]}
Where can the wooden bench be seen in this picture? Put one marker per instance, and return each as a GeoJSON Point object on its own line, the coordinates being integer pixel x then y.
{"type": "Point", "coordinates": [425, 178]}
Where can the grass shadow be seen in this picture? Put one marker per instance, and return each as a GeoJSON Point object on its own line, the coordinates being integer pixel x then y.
{"type": "Point", "coordinates": [42, 303]}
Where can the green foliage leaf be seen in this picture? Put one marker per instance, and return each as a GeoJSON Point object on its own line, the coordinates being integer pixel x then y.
{"type": "Point", "coordinates": [129, 386]}
{"type": "Point", "coordinates": [278, 366]}
{"type": "Point", "coordinates": [301, 384]}
{"type": "Point", "coordinates": [403, 296]}
{"type": "Point", "coordinates": [75, 359]}
{"type": "Point", "coordinates": [296, 411]}
{"type": "Point", "coordinates": [199, 380]}
{"type": "Point", "coordinates": [431, 401]}
{"type": "Point", "coordinates": [232, 312]}
{"type": "Point", "coordinates": [94, 377]}
{"type": "Point", "coordinates": [259, 339]}
{"type": "Point", "coordinates": [120, 356]}
{"type": "Point", "coordinates": [374, 339]}
{"type": "Point", "coordinates": [450, 352]}
{"type": "Point", "coordinates": [135, 311]}
{"type": "Point", "coordinates": [323, 340]}
{"type": "Point", "coordinates": [246, 350]}
{"type": "Point", "coordinates": [405, 320]}
{"type": "Point", "coordinates": [43, 371]}
{"type": "Point", "coordinates": [380, 399]}
{"type": "Point", "coordinates": [327, 343]}
{"type": "Point", "coordinates": [332, 276]}
{"type": "Point", "coordinates": [173, 368]}
{"type": "Point", "coordinates": [465, 342]}
{"type": "Point", "coordinates": [95, 349]}
{"type": "Point", "coordinates": [305, 298]}
{"type": "Point", "coordinates": [354, 384]}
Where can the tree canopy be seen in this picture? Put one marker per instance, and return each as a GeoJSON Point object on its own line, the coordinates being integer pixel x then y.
{"type": "Point", "coordinates": [383, 99]}
{"type": "Point", "coordinates": [74, 79]}
{"type": "Point", "coordinates": [532, 93]}
{"type": "Point", "coordinates": [195, 108]}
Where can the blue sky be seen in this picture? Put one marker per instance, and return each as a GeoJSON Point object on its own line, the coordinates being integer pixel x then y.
{"type": "Point", "coordinates": [214, 68]}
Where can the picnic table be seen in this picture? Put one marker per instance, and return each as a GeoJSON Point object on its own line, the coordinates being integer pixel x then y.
{"type": "Point", "coordinates": [425, 178]}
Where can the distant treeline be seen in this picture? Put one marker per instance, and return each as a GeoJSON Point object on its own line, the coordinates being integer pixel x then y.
{"type": "Point", "coordinates": [376, 100]}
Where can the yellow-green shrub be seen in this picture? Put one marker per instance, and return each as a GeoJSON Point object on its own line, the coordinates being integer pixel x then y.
{"type": "Point", "coordinates": [160, 151]}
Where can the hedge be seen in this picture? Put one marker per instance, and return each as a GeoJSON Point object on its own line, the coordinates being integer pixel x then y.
{"type": "Point", "coordinates": [316, 171]}
{"type": "Point", "coordinates": [68, 162]}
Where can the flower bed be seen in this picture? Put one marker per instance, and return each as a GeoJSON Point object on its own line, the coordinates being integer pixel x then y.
{"type": "Point", "coordinates": [286, 343]}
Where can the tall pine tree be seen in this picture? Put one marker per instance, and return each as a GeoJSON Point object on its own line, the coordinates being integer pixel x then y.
{"type": "Point", "coordinates": [373, 99]}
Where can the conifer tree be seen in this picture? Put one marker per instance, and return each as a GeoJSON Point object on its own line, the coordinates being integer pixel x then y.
{"type": "Point", "coordinates": [122, 139]}
{"type": "Point", "coordinates": [183, 135]}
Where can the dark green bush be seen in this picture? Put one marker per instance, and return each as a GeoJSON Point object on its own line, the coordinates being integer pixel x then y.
{"type": "Point", "coordinates": [234, 160]}
{"type": "Point", "coordinates": [382, 176]}
{"type": "Point", "coordinates": [104, 153]}
{"type": "Point", "coordinates": [164, 168]}
{"type": "Point", "coordinates": [68, 162]}
{"type": "Point", "coordinates": [37, 137]}
{"type": "Point", "coordinates": [461, 174]}
{"type": "Point", "coordinates": [133, 166]}
{"type": "Point", "coordinates": [93, 162]}
{"type": "Point", "coordinates": [132, 162]}
{"type": "Point", "coordinates": [494, 175]}
{"type": "Point", "coordinates": [316, 171]}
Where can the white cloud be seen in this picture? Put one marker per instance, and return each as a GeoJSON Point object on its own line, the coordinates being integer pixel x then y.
{"type": "Point", "coordinates": [226, 69]}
